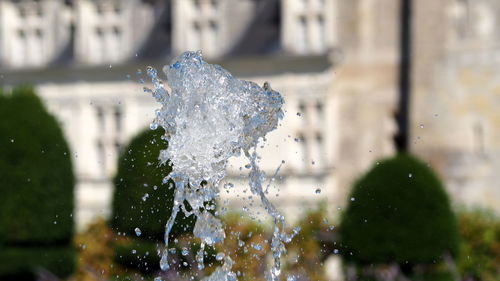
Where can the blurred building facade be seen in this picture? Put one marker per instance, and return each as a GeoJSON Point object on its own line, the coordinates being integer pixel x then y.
{"type": "Point", "coordinates": [85, 56]}
{"type": "Point", "coordinates": [336, 63]}
{"type": "Point", "coordinates": [456, 99]}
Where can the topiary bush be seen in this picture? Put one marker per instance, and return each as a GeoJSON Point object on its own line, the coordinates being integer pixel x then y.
{"type": "Point", "coordinates": [398, 213]}
{"type": "Point", "coordinates": [36, 185]}
{"type": "Point", "coordinates": [142, 201]}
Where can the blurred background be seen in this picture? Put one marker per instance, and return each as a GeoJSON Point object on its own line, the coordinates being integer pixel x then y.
{"type": "Point", "coordinates": [363, 80]}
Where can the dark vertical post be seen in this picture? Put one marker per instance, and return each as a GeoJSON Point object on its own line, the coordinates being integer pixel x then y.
{"type": "Point", "coordinates": [405, 42]}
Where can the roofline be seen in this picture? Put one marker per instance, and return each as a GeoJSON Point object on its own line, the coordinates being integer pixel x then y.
{"type": "Point", "coordinates": [239, 66]}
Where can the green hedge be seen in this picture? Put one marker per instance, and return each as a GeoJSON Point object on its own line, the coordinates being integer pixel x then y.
{"type": "Point", "coordinates": [139, 173]}
{"type": "Point", "coordinates": [398, 212]}
{"type": "Point", "coordinates": [139, 254]}
{"type": "Point", "coordinates": [36, 183]}
{"type": "Point", "coordinates": [20, 263]}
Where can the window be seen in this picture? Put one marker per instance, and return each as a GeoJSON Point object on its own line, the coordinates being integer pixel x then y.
{"type": "Point", "coordinates": [311, 132]}
{"type": "Point", "coordinates": [320, 113]}
{"type": "Point", "coordinates": [36, 48]}
{"type": "Point", "coordinates": [107, 45]}
{"type": "Point", "coordinates": [99, 10]}
{"type": "Point", "coordinates": [19, 54]}
{"type": "Point", "coordinates": [101, 156]}
{"type": "Point", "coordinates": [195, 36]}
{"type": "Point", "coordinates": [478, 132]}
{"type": "Point", "coordinates": [22, 12]}
{"type": "Point", "coordinates": [319, 149]}
{"type": "Point", "coordinates": [305, 26]}
{"type": "Point", "coordinates": [117, 9]}
{"type": "Point", "coordinates": [97, 52]}
{"type": "Point", "coordinates": [202, 26]}
{"type": "Point", "coordinates": [462, 18]}
{"type": "Point", "coordinates": [302, 34]}
{"type": "Point", "coordinates": [109, 124]}
{"type": "Point", "coordinates": [211, 40]}
{"type": "Point", "coordinates": [100, 119]}
{"type": "Point", "coordinates": [118, 119]}
{"type": "Point", "coordinates": [39, 12]}
{"type": "Point", "coordinates": [115, 44]}
{"type": "Point", "coordinates": [321, 31]}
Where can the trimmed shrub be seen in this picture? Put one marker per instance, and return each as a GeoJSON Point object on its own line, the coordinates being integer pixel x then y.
{"type": "Point", "coordinates": [141, 200]}
{"type": "Point", "coordinates": [22, 263]}
{"type": "Point", "coordinates": [398, 213]}
{"type": "Point", "coordinates": [36, 183]}
{"type": "Point", "coordinates": [139, 254]}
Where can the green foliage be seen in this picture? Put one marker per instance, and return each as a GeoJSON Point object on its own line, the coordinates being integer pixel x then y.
{"type": "Point", "coordinates": [141, 200]}
{"type": "Point", "coordinates": [399, 212]}
{"type": "Point", "coordinates": [36, 186]}
{"type": "Point", "coordinates": [480, 247]}
{"type": "Point", "coordinates": [312, 245]}
{"type": "Point", "coordinates": [95, 252]}
{"type": "Point", "coordinates": [22, 263]}
{"type": "Point", "coordinates": [138, 254]}
{"type": "Point", "coordinates": [434, 276]}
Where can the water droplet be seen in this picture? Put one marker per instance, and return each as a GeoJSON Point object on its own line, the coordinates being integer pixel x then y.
{"type": "Point", "coordinates": [12, 140]}
{"type": "Point", "coordinates": [153, 126]}
{"type": "Point", "coordinates": [410, 175]}
{"type": "Point", "coordinates": [291, 278]}
{"type": "Point", "coordinates": [353, 199]}
{"type": "Point", "coordinates": [220, 256]}
{"type": "Point", "coordinates": [185, 251]}
{"type": "Point", "coordinates": [421, 126]}
{"type": "Point", "coordinates": [335, 251]}
{"type": "Point", "coordinates": [145, 197]}
{"type": "Point", "coordinates": [257, 247]}
{"type": "Point", "coordinates": [299, 114]}
{"type": "Point", "coordinates": [158, 279]}
{"type": "Point", "coordinates": [134, 251]}
{"type": "Point", "coordinates": [138, 231]}
{"type": "Point", "coordinates": [164, 262]}
{"type": "Point", "coordinates": [317, 191]}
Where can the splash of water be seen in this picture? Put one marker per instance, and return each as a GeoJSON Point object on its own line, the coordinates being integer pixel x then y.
{"type": "Point", "coordinates": [210, 116]}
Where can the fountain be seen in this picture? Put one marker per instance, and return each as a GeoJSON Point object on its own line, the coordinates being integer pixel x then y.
{"type": "Point", "coordinates": [210, 116]}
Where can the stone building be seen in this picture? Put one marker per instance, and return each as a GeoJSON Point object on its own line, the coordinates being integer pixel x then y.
{"type": "Point", "coordinates": [456, 96]}
{"type": "Point", "coordinates": [85, 56]}
{"type": "Point", "coordinates": [335, 62]}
